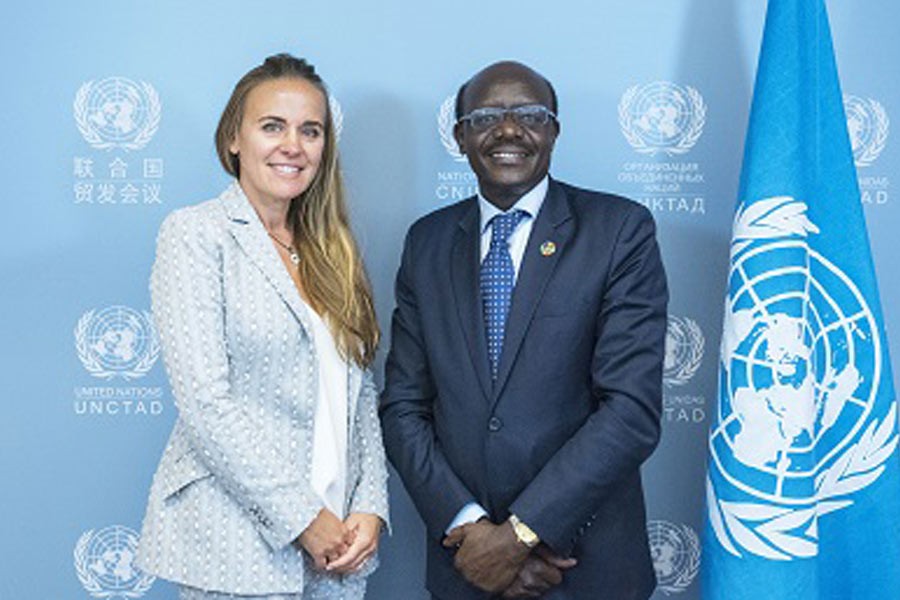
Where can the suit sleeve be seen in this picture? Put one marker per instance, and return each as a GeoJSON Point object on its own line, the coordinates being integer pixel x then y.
{"type": "Point", "coordinates": [626, 377]}
{"type": "Point", "coordinates": [407, 412]}
{"type": "Point", "coordinates": [370, 494]}
{"type": "Point", "coordinates": [188, 308]}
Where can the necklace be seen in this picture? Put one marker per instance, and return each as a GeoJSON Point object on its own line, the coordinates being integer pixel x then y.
{"type": "Point", "coordinates": [295, 258]}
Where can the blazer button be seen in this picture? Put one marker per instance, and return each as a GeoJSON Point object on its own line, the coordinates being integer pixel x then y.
{"type": "Point", "coordinates": [495, 424]}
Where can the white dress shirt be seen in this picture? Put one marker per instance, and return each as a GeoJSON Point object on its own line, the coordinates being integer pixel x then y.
{"type": "Point", "coordinates": [329, 464]}
{"type": "Point", "coordinates": [531, 204]}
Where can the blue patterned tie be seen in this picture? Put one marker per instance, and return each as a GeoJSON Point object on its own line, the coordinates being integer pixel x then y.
{"type": "Point", "coordinates": [497, 280]}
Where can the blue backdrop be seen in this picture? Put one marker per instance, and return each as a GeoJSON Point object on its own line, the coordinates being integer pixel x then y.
{"type": "Point", "coordinates": [107, 116]}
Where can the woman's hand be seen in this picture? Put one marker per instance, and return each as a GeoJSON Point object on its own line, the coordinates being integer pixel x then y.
{"type": "Point", "coordinates": [326, 539]}
{"type": "Point", "coordinates": [366, 529]}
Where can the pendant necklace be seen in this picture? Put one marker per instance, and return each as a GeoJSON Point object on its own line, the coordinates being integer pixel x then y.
{"type": "Point", "coordinates": [292, 253]}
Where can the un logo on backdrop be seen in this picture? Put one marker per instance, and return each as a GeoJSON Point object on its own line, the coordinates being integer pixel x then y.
{"type": "Point", "coordinates": [662, 117]}
{"type": "Point", "coordinates": [116, 341]}
{"type": "Point", "coordinates": [867, 124]}
{"type": "Point", "coordinates": [337, 116]}
{"type": "Point", "coordinates": [104, 563]}
{"type": "Point", "coordinates": [684, 350]}
{"type": "Point", "coordinates": [801, 359]}
{"type": "Point", "coordinates": [117, 112]}
{"type": "Point", "coordinates": [675, 550]}
{"type": "Point", "coordinates": [446, 119]}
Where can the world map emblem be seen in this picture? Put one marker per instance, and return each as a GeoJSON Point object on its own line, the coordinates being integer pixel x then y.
{"type": "Point", "coordinates": [117, 341]}
{"type": "Point", "coordinates": [117, 112]}
{"type": "Point", "coordinates": [683, 350]}
{"type": "Point", "coordinates": [675, 550]}
{"type": "Point", "coordinates": [104, 563]}
{"type": "Point", "coordinates": [662, 117]}
{"type": "Point", "coordinates": [867, 125]}
{"type": "Point", "coordinates": [798, 430]}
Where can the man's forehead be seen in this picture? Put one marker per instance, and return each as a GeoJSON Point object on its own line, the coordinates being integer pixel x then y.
{"type": "Point", "coordinates": [512, 81]}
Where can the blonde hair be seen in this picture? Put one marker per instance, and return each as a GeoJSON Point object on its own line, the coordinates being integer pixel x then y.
{"type": "Point", "coordinates": [331, 268]}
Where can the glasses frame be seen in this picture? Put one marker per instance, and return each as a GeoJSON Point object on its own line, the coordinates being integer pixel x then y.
{"type": "Point", "coordinates": [516, 112]}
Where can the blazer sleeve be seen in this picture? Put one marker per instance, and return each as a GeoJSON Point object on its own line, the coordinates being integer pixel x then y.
{"type": "Point", "coordinates": [186, 289]}
{"type": "Point", "coordinates": [407, 412]}
{"type": "Point", "coordinates": [626, 376]}
{"type": "Point", "coordinates": [370, 493]}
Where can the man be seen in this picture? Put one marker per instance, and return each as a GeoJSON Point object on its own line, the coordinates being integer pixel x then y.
{"type": "Point", "coordinates": [523, 384]}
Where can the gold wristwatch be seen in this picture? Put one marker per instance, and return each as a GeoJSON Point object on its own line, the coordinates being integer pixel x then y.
{"type": "Point", "coordinates": [523, 532]}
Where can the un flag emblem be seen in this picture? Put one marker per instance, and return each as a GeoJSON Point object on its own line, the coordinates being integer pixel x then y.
{"type": "Point", "coordinates": [797, 433]}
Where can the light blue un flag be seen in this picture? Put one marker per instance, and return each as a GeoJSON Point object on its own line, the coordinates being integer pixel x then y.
{"type": "Point", "coordinates": [803, 495]}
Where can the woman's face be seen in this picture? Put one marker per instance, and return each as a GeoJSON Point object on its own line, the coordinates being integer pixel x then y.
{"type": "Point", "coordinates": [280, 140]}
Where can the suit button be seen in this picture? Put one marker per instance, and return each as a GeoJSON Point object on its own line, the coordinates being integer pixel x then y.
{"type": "Point", "coordinates": [495, 424]}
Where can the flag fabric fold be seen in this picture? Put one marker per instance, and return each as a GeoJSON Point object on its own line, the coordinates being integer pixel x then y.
{"type": "Point", "coordinates": [803, 487]}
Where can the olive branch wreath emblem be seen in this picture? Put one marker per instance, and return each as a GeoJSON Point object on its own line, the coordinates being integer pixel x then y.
{"type": "Point", "coordinates": [446, 121]}
{"type": "Point", "coordinates": [92, 585]}
{"type": "Point", "coordinates": [688, 330]}
{"type": "Point", "coordinates": [872, 149]}
{"type": "Point", "coordinates": [688, 136]}
{"type": "Point", "coordinates": [96, 368]}
{"type": "Point", "coordinates": [93, 137]}
{"type": "Point", "coordinates": [774, 531]}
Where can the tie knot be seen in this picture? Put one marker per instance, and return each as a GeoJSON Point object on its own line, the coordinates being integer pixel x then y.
{"type": "Point", "coordinates": [502, 225]}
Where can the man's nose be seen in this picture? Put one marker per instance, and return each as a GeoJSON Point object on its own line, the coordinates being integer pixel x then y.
{"type": "Point", "coordinates": [508, 126]}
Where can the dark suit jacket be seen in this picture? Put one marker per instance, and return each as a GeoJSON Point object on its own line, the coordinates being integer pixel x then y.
{"type": "Point", "coordinates": [559, 438]}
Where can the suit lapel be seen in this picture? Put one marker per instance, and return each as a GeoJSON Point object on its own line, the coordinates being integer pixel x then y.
{"type": "Point", "coordinates": [250, 235]}
{"type": "Point", "coordinates": [464, 273]}
{"type": "Point", "coordinates": [553, 225]}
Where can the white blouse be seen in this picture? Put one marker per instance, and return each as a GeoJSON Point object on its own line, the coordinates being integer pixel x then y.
{"type": "Point", "coordinates": [329, 464]}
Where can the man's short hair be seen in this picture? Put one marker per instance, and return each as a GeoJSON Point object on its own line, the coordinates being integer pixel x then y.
{"type": "Point", "coordinates": [554, 102]}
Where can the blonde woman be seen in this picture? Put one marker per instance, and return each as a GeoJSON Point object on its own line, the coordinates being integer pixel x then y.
{"type": "Point", "coordinates": [273, 482]}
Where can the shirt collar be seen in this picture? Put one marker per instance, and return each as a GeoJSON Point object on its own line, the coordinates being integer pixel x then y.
{"type": "Point", "coordinates": [530, 203]}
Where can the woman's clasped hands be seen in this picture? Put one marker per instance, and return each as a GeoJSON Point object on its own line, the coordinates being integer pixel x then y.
{"type": "Point", "coordinates": [340, 546]}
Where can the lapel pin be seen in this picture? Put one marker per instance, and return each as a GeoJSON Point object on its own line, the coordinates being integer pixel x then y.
{"type": "Point", "coordinates": [548, 248]}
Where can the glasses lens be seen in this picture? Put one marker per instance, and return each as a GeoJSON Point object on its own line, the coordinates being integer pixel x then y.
{"type": "Point", "coordinates": [485, 118]}
{"type": "Point", "coordinates": [531, 116]}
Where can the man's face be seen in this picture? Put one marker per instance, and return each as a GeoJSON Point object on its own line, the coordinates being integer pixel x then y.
{"type": "Point", "coordinates": [509, 159]}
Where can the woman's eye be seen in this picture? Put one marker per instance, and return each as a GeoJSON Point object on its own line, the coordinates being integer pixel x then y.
{"type": "Point", "coordinates": [271, 127]}
{"type": "Point", "coordinates": [311, 131]}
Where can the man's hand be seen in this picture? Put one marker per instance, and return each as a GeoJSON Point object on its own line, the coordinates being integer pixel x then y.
{"type": "Point", "coordinates": [489, 556]}
{"type": "Point", "coordinates": [326, 538]}
{"type": "Point", "coordinates": [365, 527]}
{"type": "Point", "coordinates": [542, 570]}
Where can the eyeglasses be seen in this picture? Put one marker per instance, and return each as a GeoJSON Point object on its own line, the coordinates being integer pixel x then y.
{"type": "Point", "coordinates": [531, 116]}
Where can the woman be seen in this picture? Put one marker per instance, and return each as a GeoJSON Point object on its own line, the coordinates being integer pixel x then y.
{"type": "Point", "coordinates": [273, 482]}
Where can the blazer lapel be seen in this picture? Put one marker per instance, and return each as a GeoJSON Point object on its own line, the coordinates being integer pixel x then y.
{"type": "Point", "coordinates": [251, 236]}
{"type": "Point", "coordinates": [552, 226]}
{"type": "Point", "coordinates": [464, 274]}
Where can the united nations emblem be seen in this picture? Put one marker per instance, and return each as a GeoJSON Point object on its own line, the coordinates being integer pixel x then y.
{"type": "Point", "coordinates": [867, 124]}
{"type": "Point", "coordinates": [446, 119]}
{"type": "Point", "coordinates": [337, 116]}
{"type": "Point", "coordinates": [675, 550]}
{"type": "Point", "coordinates": [104, 563]}
{"type": "Point", "coordinates": [117, 113]}
{"type": "Point", "coordinates": [662, 117]}
{"type": "Point", "coordinates": [797, 432]}
{"type": "Point", "coordinates": [684, 350]}
{"type": "Point", "coordinates": [117, 341]}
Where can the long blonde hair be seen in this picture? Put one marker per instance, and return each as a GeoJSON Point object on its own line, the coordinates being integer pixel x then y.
{"type": "Point", "coordinates": [331, 268]}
